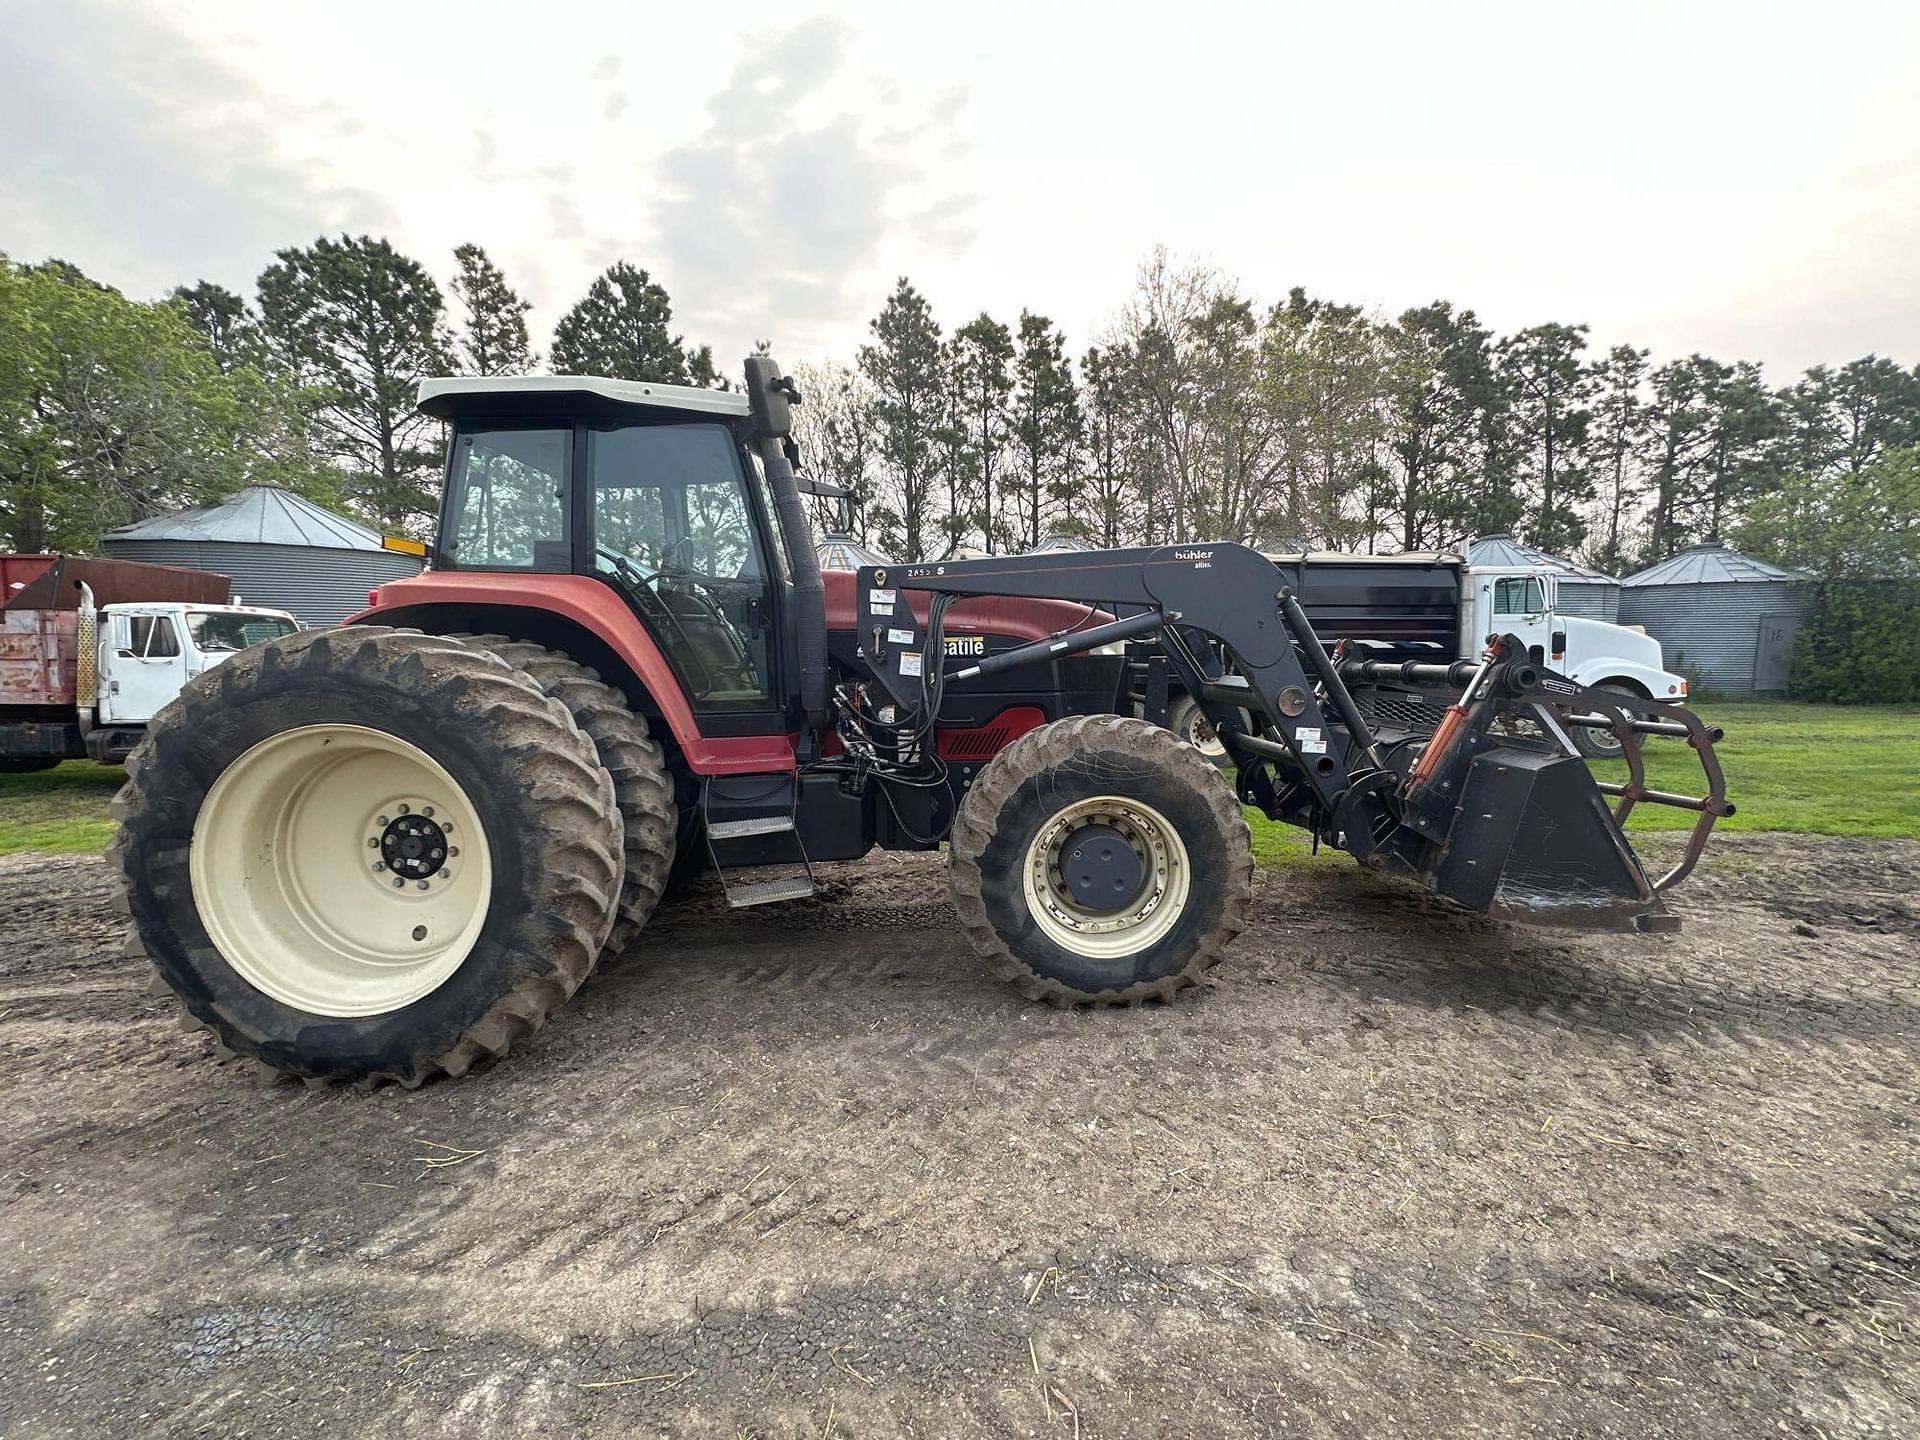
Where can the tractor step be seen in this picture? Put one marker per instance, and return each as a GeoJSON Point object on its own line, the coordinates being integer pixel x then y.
{"type": "Point", "coordinates": [766, 892]}
{"type": "Point", "coordinates": [751, 851]}
{"type": "Point", "coordinates": [755, 825]}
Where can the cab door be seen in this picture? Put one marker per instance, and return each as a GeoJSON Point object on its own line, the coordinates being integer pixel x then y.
{"type": "Point", "coordinates": [674, 528]}
{"type": "Point", "coordinates": [1523, 607]}
{"type": "Point", "coordinates": [145, 665]}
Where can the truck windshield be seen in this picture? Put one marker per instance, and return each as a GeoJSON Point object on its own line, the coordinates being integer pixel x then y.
{"type": "Point", "coordinates": [215, 630]}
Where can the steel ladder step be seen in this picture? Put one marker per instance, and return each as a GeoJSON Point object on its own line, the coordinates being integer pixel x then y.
{"type": "Point", "coordinates": [754, 825]}
{"type": "Point", "coordinates": [766, 892]}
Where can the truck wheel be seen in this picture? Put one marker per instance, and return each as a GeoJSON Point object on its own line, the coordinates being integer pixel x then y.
{"type": "Point", "coordinates": [367, 854]}
{"type": "Point", "coordinates": [1100, 860]}
{"type": "Point", "coordinates": [1601, 744]}
{"type": "Point", "coordinates": [642, 788]}
{"type": "Point", "coordinates": [1186, 719]}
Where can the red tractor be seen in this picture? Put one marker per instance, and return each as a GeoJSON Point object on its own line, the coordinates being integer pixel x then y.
{"type": "Point", "coordinates": [392, 849]}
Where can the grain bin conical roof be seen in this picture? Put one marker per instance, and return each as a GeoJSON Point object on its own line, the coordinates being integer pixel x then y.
{"type": "Point", "coordinates": [1712, 562]}
{"type": "Point", "coordinates": [257, 515]}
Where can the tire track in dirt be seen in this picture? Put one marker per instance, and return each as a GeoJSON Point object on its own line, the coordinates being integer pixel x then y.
{"type": "Point", "coordinates": [1388, 1135]}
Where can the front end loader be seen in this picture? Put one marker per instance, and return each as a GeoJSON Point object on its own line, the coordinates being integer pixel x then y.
{"type": "Point", "coordinates": [391, 850]}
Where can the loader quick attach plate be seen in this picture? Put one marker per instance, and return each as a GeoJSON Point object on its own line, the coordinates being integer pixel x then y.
{"type": "Point", "coordinates": [1534, 841]}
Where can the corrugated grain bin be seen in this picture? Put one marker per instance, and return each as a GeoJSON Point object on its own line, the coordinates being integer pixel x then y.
{"type": "Point", "coordinates": [283, 552]}
{"type": "Point", "coordinates": [1724, 619]}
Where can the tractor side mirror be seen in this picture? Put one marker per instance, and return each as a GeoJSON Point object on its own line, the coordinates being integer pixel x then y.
{"type": "Point", "coordinates": [771, 396]}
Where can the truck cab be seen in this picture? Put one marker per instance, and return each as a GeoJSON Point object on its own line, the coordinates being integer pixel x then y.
{"type": "Point", "coordinates": [1506, 600]}
{"type": "Point", "coordinates": [148, 651]}
{"type": "Point", "coordinates": [82, 680]}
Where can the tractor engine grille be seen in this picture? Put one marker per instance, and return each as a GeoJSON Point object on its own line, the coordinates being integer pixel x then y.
{"type": "Point", "coordinates": [983, 742]}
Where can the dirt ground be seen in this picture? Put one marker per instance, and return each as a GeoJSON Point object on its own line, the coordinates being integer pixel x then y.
{"type": "Point", "coordinates": [804, 1172]}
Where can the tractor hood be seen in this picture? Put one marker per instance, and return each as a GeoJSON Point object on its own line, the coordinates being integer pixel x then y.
{"type": "Point", "coordinates": [1012, 616]}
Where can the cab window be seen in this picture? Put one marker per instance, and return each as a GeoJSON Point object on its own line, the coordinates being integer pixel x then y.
{"type": "Point", "coordinates": [507, 500]}
{"type": "Point", "coordinates": [673, 529]}
{"type": "Point", "coordinates": [226, 630]}
{"type": "Point", "coordinates": [152, 637]}
{"type": "Point", "coordinates": [1519, 595]}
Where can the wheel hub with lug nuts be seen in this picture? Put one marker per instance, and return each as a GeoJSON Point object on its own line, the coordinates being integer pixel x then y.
{"type": "Point", "coordinates": [1101, 869]}
{"type": "Point", "coordinates": [413, 846]}
{"type": "Point", "coordinates": [1107, 877]}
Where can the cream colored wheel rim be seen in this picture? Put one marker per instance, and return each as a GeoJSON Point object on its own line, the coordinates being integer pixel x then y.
{"type": "Point", "coordinates": [1147, 918]}
{"type": "Point", "coordinates": [291, 874]}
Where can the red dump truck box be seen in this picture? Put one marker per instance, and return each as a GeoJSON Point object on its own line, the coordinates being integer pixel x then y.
{"type": "Point", "coordinates": [52, 582]}
{"type": "Point", "coordinates": [37, 657]}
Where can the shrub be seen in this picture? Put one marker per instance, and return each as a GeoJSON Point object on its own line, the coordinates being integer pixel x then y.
{"type": "Point", "coordinates": [1862, 646]}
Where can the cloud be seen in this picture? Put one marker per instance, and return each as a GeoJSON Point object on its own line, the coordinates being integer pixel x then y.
{"type": "Point", "coordinates": [147, 163]}
{"type": "Point", "coordinates": [772, 222]}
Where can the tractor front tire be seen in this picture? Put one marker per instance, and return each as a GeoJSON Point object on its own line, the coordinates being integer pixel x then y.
{"type": "Point", "coordinates": [367, 854]}
{"type": "Point", "coordinates": [642, 788]}
{"type": "Point", "coordinates": [1100, 860]}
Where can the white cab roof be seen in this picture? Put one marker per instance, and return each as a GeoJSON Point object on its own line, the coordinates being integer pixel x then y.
{"type": "Point", "coordinates": [468, 392]}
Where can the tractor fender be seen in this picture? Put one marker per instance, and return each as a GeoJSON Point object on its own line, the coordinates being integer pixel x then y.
{"type": "Point", "coordinates": [581, 616]}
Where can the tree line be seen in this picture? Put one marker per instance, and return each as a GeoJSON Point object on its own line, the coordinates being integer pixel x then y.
{"type": "Point", "coordinates": [1198, 413]}
{"type": "Point", "coordinates": [114, 409]}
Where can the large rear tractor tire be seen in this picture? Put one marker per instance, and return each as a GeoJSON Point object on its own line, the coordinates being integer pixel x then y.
{"type": "Point", "coordinates": [1100, 860]}
{"type": "Point", "coordinates": [367, 854]}
{"type": "Point", "coordinates": [642, 788]}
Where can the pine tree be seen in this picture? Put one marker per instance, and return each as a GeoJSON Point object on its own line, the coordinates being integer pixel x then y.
{"type": "Point", "coordinates": [1678, 418]}
{"type": "Point", "coordinates": [906, 365]}
{"type": "Point", "coordinates": [222, 316]}
{"type": "Point", "coordinates": [1109, 477]}
{"type": "Point", "coordinates": [982, 352]}
{"type": "Point", "coordinates": [1744, 421]}
{"type": "Point", "coordinates": [1440, 389]}
{"type": "Point", "coordinates": [622, 328]}
{"type": "Point", "coordinates": [361, 325]}
{"type": "Point", "coordinates": [494, 338]}
{"type": "Point", "coordinates": [1551, 387]}
{"type": "Point", "coordinates": [1046, 429]}
{"type": "Point", "coordinates": [1620, 436]}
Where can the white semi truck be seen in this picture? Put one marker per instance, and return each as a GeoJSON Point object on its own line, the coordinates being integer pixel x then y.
{"type": "Point", "coordinates": [1438, 607]}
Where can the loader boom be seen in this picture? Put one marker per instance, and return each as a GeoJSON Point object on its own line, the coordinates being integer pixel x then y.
{"type": "Point", "coordinates": [1496, 811]}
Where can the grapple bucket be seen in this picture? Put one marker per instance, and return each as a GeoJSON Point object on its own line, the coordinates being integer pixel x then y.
{"type": "Point", "coordinates": [1534, 841]}
{"type": "Point", "coordinates": [1509, 817]}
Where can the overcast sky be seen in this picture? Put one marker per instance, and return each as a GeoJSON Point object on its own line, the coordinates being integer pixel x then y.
{"type": "Point", "coordinates": [1739, 179]}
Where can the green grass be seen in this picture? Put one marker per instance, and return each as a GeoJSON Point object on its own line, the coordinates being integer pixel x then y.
{"type": "Point", "coordinates": [62, 811]}
{"type": "Point", "coordinates": [1804, 769]}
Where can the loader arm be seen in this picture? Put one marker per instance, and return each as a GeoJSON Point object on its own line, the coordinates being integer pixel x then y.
{"type": "Point", "coordinates": [1496, 810]}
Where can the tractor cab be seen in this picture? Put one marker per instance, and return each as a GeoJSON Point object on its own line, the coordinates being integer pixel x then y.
{"type": "Point", "coordinates": [652, 491]}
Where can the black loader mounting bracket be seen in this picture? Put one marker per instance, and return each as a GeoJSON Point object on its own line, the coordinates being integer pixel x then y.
{"type": "Point", "coordinates": [1495, 809]}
